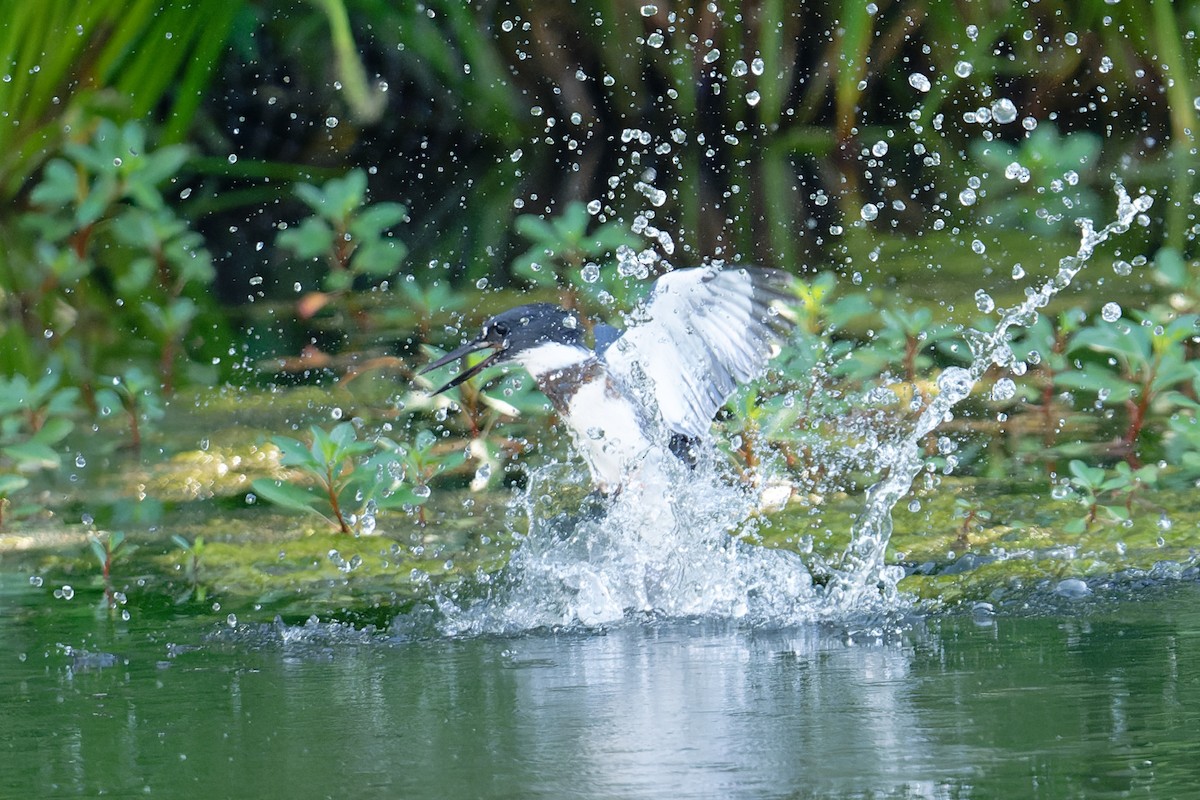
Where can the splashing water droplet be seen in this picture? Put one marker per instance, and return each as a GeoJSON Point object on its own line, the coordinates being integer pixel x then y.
{"type": "Point", "coordinates": [753, 98]}
{"type": "Point", "coordinates": [1004, 111]}
{"type": "Point", "coordinates": [879, 149]}
{"type": "Point", "coordinates": [919, 82]}
{"type": "Point", "coordinates": [869, 212]}
{"type": "Point", "coordinates": [590, 272]}
{"type": "Point", "coordinates": [963, 69]}
{"type": "Point", "coordinates": [967, 197]}
{"type": "Point", "coordinates": [649, 10]}
{"type": "Point", "coordinates": [1005, 389]}
{"type": "Point", "coordinates": [985, 302]}
{"type": "Point", "coordinates": [1111, 312]}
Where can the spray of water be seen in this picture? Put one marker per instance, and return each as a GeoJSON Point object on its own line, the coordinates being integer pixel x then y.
{"type": "Point", "coordinates": [864, 579]}
{"type": "Point", "coordinates": [675, 542]}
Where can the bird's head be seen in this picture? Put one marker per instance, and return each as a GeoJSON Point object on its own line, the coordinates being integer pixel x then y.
{"type": "Point", "coordinates": [508, 335]}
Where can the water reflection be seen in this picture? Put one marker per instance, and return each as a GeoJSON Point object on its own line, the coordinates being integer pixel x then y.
{"type": "Point", "coordinates": [1103, 704]}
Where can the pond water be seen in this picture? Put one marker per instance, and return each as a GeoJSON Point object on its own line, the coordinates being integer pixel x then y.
{"type": "Point", "coordinates": [1098, 698]}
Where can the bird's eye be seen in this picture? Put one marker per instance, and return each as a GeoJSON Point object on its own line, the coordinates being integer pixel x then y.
{"type": "Point", "coordinates": [500, 329]}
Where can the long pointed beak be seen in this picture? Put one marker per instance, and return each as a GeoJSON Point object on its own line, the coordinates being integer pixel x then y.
{"type": "Point", "coordinates": [465, 350]}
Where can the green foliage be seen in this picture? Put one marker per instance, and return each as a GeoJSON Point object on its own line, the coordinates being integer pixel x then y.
{"type": "Point", "coordinates": [347, 479]}
{"type": "Point", "coordinates": [63, 59]}
{"type": "Point", "coordinates": [102, 261]}
{"type": "Point", "coordinates": [138, 395]}
{"type": "Point", "coordinates": [352, 237]}
{"type": "Point", "coordinates": [34, 419]}
{"type": "Point", "coordinates": [1044, 183]}
{"type": "Point", "coordinates": [564, 254]}
{"type": "Point", "coordinates": [107, 549]}
{"type": "Point", "coordinates": [1107, 495]}
{"type": "Point", "coordinates": [194, 553]}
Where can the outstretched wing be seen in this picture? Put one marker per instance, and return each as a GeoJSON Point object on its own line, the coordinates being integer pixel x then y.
{"type": "Point", "coordinates": [700, 333]}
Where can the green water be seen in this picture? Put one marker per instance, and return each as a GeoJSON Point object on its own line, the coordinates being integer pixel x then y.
{"type": "Point", "coordinates": [1093, 699]}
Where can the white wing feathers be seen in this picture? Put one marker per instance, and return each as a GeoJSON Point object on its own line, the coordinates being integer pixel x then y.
{"type": "Point", "coordinates": [699, 334]}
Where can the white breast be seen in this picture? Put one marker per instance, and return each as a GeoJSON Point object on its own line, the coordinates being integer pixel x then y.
{"type": "Point", "coordinates": [608, 432]}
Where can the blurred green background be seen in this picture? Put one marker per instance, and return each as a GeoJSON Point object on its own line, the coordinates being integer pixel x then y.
{"type": "Point", "coordinates": [260, 194]}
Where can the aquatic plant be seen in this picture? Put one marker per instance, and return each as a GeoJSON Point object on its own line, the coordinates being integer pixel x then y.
{"type": "Point", "coordinates": [193, 555]}
{"type": "Point", "coordinates": [353, 238]}
{"type": "Point", "coordinates": [1150, 359]}
{"type": "Point", "coordinates": [107, 549]}
{"type": "Point", "coordinates": [34, 418]}
{"type": "Point", "coordinates": [348, 479]}
{"type": "Point", "coordinates": [135, 393]}
{"type": "Point", "coordinates": [107, 272]}
{"type": "Point", "coordinates": [563, 253]}
{"type": "Point", "coordinates": [1107, 495]}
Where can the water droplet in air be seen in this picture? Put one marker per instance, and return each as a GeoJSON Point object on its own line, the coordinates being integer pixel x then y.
{"type": "Point", "coordinates": [757, 66]}
{"type": "Point", "coordinates": [919, 82]}
{"type": "Point", "coordinates": [80, 461]}
{"type": "Point", "coordinates": [1015, 172]}
{"type": "Point", "coordinates": [331, 122]}
{"type": "Point", "coordinates": [955, 383]}
{"type": "Point", "coordinates": [655, 40]}
{"type": "Point", "coordinates": [1122, 267]}
{"type": "Point", "coordinates": [1111, 312]}
{"type": "Point", "coordinates": [967, 197]}
{"type": "Point", "coordinates": [1004, 110]}
{"type": "Point", "coordinates": [590, 273]}
{"type": "Point", "coordinates": [869, 212]}
{"type": "Point", "coordinates": [879, 149]}
{"type": "Point", "coordinates": [985, 302]}
{"type": "Point", "coordinates": [963, 69]}
{"type": "Point", "coordinates": [914, 506]}
{"type": "Point", "coordinates": [739, 68]}
{"type": "Point", "coordinates": [1005, 389]}
{"type": "Point", "coordinates": [231, 620]}
{"type": "Point", "coordinates": [422, 490]}
{"type": "Point", "coordinates": [649, 10]}
{"type": "Point", "coordinates": [752, 98]}
{"type": "Point", "coordinates": [978, 247]}
{"type": "Point", "coordinates": [593, 207]}
{"type": "Point", "coordinates": [35, 581]}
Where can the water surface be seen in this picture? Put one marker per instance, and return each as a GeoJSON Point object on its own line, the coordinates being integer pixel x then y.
{"type": "Point", "coordinates": [1088, 700]}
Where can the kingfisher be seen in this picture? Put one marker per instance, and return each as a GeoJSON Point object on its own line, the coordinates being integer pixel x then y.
{"type": "Point", "coordinates": [656, 385]}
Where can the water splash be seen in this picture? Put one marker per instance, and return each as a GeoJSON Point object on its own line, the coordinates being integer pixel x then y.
{"type": "Point", "coordinates": [678, 542]}
{"type": "Point", "coordinates": [674, 544]}
{"type": "Point", "coordinates": [864, 580]}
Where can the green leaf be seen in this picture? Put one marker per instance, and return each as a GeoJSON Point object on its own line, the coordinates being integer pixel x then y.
{"type": "Point", "coordinates": [1171, 267]}
{"type": "Point", "coordinates": [59, 186]}
{"type": "Point", "coordinates": [294, 453]}
{"type": "Point", "coordinates": [32, 455]}
{"type": "Point", "coordinates": [311, 238]}
{"type": "Point", "coordinates": [380, 257]}
{"type": "Point", "coordinates": [54, 430]}
{"type": "Point", "coordinates": [1090, 477]}
{"type": "Point", "coordinates": [285, 495]}
{"type": "Point", "coordinates": [98, 548]}
{"type": "Point", "coordinates": [375, 219]}
{"type": "Point", "coordinates": [10, 483]}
